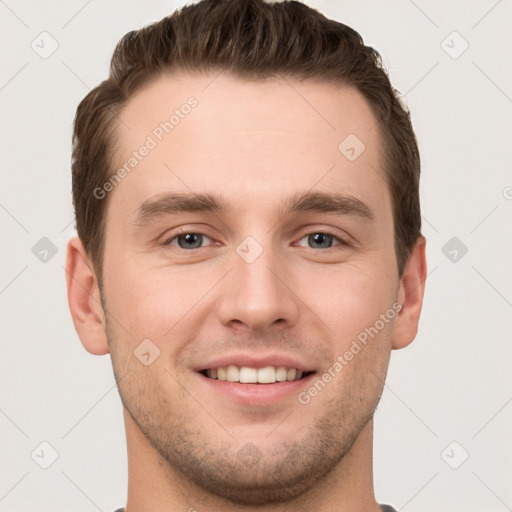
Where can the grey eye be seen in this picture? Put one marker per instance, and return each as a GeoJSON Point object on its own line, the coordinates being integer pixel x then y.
{"type": "Point", "coordinates": [320, 240]}
{"type": "Point", "coordinates": [187, 240]}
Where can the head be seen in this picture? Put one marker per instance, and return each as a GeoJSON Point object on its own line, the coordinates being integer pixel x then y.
{"type": "Point", "coordinates": [245, 185]}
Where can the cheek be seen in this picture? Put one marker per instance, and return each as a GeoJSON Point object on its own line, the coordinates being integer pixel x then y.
{"type": "Point", "coordinates": [348, 298]}
{"type": "Point", "coordinates": [148, 303]}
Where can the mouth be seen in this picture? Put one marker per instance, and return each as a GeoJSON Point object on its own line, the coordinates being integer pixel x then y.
{"type": "Point", "coordinates": [254, 375]}
{"type": "Point", "coordinates": [254, 379]}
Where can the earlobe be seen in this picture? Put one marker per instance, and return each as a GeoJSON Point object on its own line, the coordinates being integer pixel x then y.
{"type": "Point", "coordinates": [84, 299]}
{"type": "Point", "coordinates": [410, 296]}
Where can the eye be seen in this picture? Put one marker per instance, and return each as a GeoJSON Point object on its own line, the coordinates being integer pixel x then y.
{"type": "Point", "coordinates": [322, 240]}
{"type": "Point", "coordinates": [187, 240]}
{"type": "Point", "coordinates": [316, 240]}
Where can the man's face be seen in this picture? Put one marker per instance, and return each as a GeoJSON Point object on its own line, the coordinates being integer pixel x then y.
{"type": "Point", "coordinates": [256, 286]}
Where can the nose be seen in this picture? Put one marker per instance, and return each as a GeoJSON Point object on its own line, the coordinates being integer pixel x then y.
{"type": "Point", "coordinates": [258, 295]}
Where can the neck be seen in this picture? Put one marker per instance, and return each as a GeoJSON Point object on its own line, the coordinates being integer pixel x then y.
{"type": "Point", "coordinates": [153, 484]}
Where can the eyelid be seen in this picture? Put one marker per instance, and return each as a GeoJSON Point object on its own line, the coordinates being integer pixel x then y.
{"type": "Point", "coordinates": [174, 236]}
{"type": "Point", "coordinates": [184, 231]}
{"type": "Point", "coordinates": [341, 241]}
{"type": "Point", "coordinates": [341, 235]}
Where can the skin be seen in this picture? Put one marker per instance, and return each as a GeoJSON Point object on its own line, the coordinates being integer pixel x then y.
{"type": "Point", "coordinates": [255, 143]}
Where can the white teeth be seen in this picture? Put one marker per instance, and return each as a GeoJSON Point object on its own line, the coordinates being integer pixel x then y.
{"type": "Point", "coordinates": [232, 373]}
{"type": "Point", "coordinates": [267, 375]}
{"type": "Point", "coordinates": [248, 375]}
{"type": "Point", "coordinates": [292, 374]}
{"type": "Point", "coordinates": [281, 373]}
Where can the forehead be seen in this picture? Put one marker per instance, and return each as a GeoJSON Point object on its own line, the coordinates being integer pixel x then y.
{"type": "Point", "coordinates": [191, 133]}
{"type": "Point", "coordinates": [312, 109]}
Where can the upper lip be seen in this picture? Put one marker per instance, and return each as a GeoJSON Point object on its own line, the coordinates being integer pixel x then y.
{"type": "Point", "coordinates": [255, 361]}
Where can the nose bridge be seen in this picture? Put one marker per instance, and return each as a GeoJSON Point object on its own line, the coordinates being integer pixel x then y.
{"type": "Point", "coordinates": [256, 293]}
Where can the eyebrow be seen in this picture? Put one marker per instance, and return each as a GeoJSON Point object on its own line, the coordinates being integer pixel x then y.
{"type": "Point", "coordinates": [297, 203]}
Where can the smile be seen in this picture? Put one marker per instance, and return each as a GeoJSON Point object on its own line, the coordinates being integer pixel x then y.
{"type": "Point", "coordinates": [251, 375]}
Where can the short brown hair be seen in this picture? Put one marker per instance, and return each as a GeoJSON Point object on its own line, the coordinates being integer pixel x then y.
{"type": "Point", "coordinates": [252, 40]}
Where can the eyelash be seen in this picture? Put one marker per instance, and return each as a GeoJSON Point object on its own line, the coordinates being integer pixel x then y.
{"type": "Point", "coordinates": [335, 237]}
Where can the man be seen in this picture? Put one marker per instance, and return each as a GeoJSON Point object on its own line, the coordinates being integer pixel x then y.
{"type": "Point", "coordinates": [249, 253]}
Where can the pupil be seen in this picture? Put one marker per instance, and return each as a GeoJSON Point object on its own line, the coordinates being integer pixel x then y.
{"type": "Point", "coordinates": [320, 238]}
{"type": "Point", "coordinates": [190, 239]}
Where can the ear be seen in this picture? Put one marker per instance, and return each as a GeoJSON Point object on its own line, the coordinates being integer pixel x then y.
{"type": "Point", "coordinates": [84, 299]}
{"type": "Point", "coordinates": [410, 295]}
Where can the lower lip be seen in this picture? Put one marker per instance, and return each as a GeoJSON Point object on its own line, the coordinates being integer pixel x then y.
{"type": "Point", "coordinates": [258, 394]}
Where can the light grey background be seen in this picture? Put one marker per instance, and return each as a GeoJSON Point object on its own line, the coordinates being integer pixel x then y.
{"type": "Point", "coordinates": [452, 384]}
